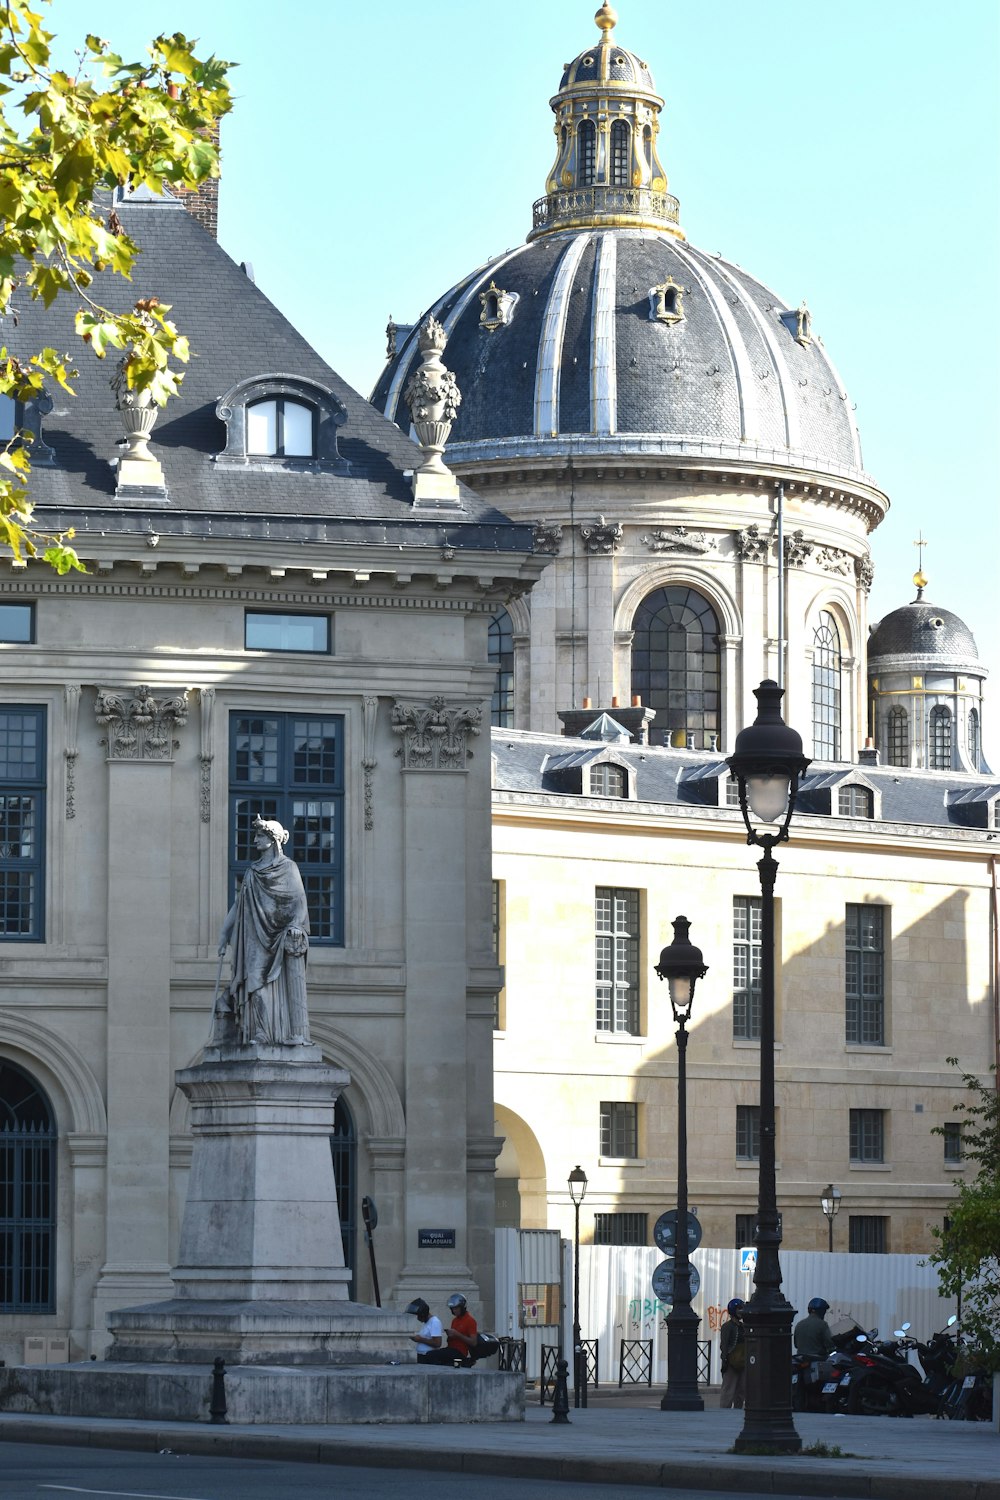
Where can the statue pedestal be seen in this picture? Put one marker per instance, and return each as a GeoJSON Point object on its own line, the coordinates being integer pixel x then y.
{"type": "Point", "coordinates": [261, 1275]}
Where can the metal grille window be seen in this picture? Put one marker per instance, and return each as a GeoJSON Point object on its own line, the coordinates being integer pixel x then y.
{"type": "Point", "coordinates": [748, 1132]}
{"type": "Point", "coordinates": [974, 743]}
{"type": "Point", "coordinates": [855, 802]}
{"type": "Point", "coordinates": [867, 1135]}
{"type": "Point", "coordinates": [607, 780]}
{"type": "Point", "coordinates": [899, 737]}
{"type": "Point", "coordinates": [587, 145]}
{"type": "Point", "coordinates": [621, 1229]}
{"type": "Point", "coordinates": [27, 1195]}
{"type": "Point", "coordinates": [22, 823]}
{"type": "Point", "coordinates": [868, 1234]}
{"type": "Point", "coordinates": [620, 175]}
{"type": "Point", "coordinates": [940, 745]}
{"type": "Point", "coordinates": [746, 967]}
{"type": "Point", "coordinates": [746, 1224]}
{"type": "Point", "coordinates": [619, 1129]}
{"type": "Point", "coordinates": [826, 689]}
{"type": "Point", "coordinates": [676, 667]}
{"type": "Point", "coordinates": [864, 937]}
{"type": "Point", "coordinates": [952, 1142]}
{"type": "Point", "coordinates": [280, 428]}
{"type": "Point", "coordinates": [616, 959]}
{"type": "Point", "coordinates": [501, 656]}
{"type": "Point", "coordinates": [290, 767]}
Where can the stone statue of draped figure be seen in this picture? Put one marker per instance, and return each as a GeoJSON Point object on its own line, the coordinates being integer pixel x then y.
{"type": "Point", "coordinates": [267, 928]}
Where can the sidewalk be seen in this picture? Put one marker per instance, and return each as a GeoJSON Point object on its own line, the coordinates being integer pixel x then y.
{"type": "Point", "coordinates": [617, 1442]}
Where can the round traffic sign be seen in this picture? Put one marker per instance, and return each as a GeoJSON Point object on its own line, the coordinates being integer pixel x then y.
{"type": "Point", "coordinates": [665, 1232]}
{"type": "Point", "coordinates": [663, 1281]}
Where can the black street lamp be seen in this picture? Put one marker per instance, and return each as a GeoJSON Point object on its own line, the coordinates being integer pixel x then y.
{"type": "Point", "coordinates": [768, 765]}
{"type": "Point", "coordinates": [578, 1191]}
{"type": "Point", "coordinates": [681, 965]}
{"type": "Point", "coordinates": [830, 1204]}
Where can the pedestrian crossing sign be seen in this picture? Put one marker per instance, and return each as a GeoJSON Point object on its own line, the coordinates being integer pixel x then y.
{"type": "Point", "coordinates": [748, 1260]}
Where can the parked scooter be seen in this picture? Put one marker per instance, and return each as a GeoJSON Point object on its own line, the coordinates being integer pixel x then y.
{"type": "Point", "coordinates": [883, 1382]}
{"type": "Point", "coordinates": [816, 1383]}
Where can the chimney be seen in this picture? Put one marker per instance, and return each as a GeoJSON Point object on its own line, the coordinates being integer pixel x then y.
{"type": "Point", "coordinates": [202, 202]}
{"type": "Point", "coordinates": [869, 755]}
{"type": "Point", "coordinates": [636, 720]}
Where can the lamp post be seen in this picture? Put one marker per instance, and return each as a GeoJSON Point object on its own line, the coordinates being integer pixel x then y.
{"type": "Point", "coordinates": [681, 965]}
{"type": "Point", "coordinates": [577, 1191]}
{"type": "Point", "coordinates": [768, 765]}
{"type": "Point", "coordinates": [830, 1204]}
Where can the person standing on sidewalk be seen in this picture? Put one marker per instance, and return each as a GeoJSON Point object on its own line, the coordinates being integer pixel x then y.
{"type": "Point", "coordinates": [733, 1348]}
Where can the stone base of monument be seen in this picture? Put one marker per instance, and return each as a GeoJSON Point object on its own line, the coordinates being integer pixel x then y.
{"type": "Point", "coordinates": [264, 1393]}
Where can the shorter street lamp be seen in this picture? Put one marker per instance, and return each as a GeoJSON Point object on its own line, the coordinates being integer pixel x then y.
{"type": "Point", "coordinates": [577, 1183]}
{"type": "Point", "coordinates": [830, 1204]}
{"type": "Point", "coordinates": [681, 965]}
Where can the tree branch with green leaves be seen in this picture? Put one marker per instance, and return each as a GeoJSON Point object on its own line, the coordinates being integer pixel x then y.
{"type": "Point", "coordinates": [109, 124]}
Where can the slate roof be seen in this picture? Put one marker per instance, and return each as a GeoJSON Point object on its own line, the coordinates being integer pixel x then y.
{"type": "Point", "coordinates": [921, 629]}
{"type": "Point", "coordinates": [581, 359]}
{"type": "Point", "coordinates": [685, 778]}
{"type": "Point", "coordinates": [236, 333]}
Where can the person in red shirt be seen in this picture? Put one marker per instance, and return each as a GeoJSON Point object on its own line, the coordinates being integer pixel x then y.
{"type": "Point", "coordinates": [463, 1335]}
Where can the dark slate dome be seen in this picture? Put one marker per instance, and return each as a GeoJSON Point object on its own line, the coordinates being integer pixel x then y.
{"type": "Point", "coordinates": [920, 629]}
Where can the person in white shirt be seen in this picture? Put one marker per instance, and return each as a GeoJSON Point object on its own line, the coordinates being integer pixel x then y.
{"type": "Point", "coordinates": [431, 1335]}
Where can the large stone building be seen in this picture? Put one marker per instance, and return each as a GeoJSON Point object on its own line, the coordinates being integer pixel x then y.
{"type": "Point", "coordinates": [686, 451]}
{"type": "Point", "coordinates": [273, 620]}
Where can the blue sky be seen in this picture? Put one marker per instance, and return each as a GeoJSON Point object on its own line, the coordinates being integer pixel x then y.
{"type": "Point", "coordinates": [843, 153]}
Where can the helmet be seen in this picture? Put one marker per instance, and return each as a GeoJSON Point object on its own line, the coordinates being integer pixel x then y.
{"type": "Point", "coordinates": [817, 1305]}
{"type": "Point", "coordinates": [734, 1305]}
{"type": "Point", "coordinates": [418, 1309]}
{"type": "Point", "coordinates": [456, 1301]}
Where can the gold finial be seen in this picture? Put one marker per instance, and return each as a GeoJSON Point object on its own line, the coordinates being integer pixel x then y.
{"type": "Point", "coordinates": [606, 19]}
{"type": "Point", "coordinates": [920, 577]}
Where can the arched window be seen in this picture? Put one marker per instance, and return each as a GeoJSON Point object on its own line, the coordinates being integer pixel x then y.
{"type": "Point", "coordinates": [940, 738]}
{"type": "Point", "coordinates": [501, 655]}
{"type": "Point", "coordinates": [899, 737]}
{"type": "Point", "coordinates": [620, 175]}
{"type": "Point", "coordinates": [855, 802]}
{"type": "Point", "coordinates": [587, 146]}
{"type": "Point", "coordinates": [974, 743]}
{"type": "Point", "coordinates": [676, 666]}
{"type": "Point", "coordinates": [27, 1194]}
{"type": "Point", "coordinates": [344, 1148]}
{"type": "Point", "coordinates": [607, 780]}
{"type": "Point", "coordinates": [280, 428]}
{"type": "Point", "coordinates": [826, 689]}
{"type": "Point", "coordinates": [647, 146]}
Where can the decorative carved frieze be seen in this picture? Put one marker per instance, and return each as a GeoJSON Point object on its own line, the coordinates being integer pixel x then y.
{"type": "Point", "coordinates": [368, 761]}
{"type": "Point", "coordinates": [604, 536]}
{"type": "Point", "coordinates": [548, 538]}
{"type": "Point", "coordinates": [864, 572]}
{"type": "Point", "coordinates": [797, 550]}
{"type": "Point", "coordinates": [435, 736]}
{"type": "Point", "coordinates": [833, 560]}
{"type": "Point", "coordinates": [140, 727]}
{"type": "Point", "coordinates": [677, 539]}
{"type": "Point", "coordinates": [751, 546]}
{"type": "Point", "coordinates": [207, 697]}
{"type": "Point", "coordinates": [71, 701]}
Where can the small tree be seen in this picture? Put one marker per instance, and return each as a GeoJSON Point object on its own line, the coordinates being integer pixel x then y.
{"type": "Point", "coordinates": [968, 1253]}
{"type": "Point", "coordinates": [151, 124]}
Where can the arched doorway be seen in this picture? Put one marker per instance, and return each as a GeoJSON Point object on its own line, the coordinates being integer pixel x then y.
{"type": "Point", "coordinates": [28, 1138]}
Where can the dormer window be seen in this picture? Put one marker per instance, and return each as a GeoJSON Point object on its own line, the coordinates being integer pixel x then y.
{"type": "Point", "coordinates": [281, 429]}
{"type": "Point", "coordinates": [666, 302]}
{"type": "Point", "coordinates": [282, 422]}
{"type": "Point", "coordinates": [497, 306]}
{"type": "Point", "coordinates": [855, 802]}
{"type": "Point", "coordinates": [608, 780]}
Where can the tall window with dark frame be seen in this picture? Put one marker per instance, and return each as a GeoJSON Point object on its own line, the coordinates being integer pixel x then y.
{"type": "Point", "coordinates": [975, 745]}
{"type": "Point", "coordinates": [952, 1132]}
{"type": "Point", "coordinates": [500, 646]}
{"type": "Point", "coordinates": [587, 148]}
{"type": "Point", "coordinates": [291, 767]}
{"type": "Point", "coordinates": [676, 666]}
{"type": "Point", "coordinates": [864, 957]}
{"type": "Point", "coordinates": [621, 1229]}
{"type": "Point", "coordinates": [746, 968]}
{"type": "Point", "coordinates": [899, 737]}
{"type": "Point", "coordinates": [867, 1139]}
{"type": "Point", "coordinates": [826, 688]}
{"type": "Point", "coordinates": [619, 1129]}
{"type": "Point", "coordinates": [855, 802]}
{"type": "Point", "coordinates": [616, 959]}
{"type": "Point", "coordinates": [28, 1137]}
{"type": "Point", "coordinates": [745, 1226]}
{"type": "Point", "coordinates": [22, 824]}
{"type": "Point", "coordinates": [867, 1234]}
{"type": "Point", "coordinates": [940, 738]}
{"type": "Point", "coordinates": [620, 135]}
{"type": "Point", "coordinates": [748, 1132]}
{"type": "Point", "coordinates": [280, 428]}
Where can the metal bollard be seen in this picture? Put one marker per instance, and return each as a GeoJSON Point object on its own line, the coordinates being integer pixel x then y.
{"type": "Point", "coordinates": [560, 1393]}
{"type": "Point", "coordinates": [217, 1410]}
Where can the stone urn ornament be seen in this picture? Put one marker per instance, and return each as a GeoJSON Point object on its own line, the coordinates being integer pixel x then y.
{"type": "Point", "coordinates": [137, 466]}
{"type": "Point", "coordinates": [433, 397]}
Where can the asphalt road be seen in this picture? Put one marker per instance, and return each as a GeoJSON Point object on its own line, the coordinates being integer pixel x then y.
{"type": "Point", "coordinates": [48, 1472]}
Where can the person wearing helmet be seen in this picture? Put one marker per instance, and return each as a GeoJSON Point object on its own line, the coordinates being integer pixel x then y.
{"type": "Point", "coordinates": [732, 1347]}
{"type": "Point", "coordinates": [813, 1339]}
{"type": "Point", "coordinates": [431, 1335]}
{"type": "Point", "coordinates": [462, 1336]}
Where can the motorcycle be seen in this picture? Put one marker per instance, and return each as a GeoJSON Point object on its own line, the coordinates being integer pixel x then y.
{"type": "Point", "coordinates": [816, 1383]}
{"type": "Point", "coordinates": [969, 1396]}
{"type": "Point", "coordinates": [883, 1382]}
